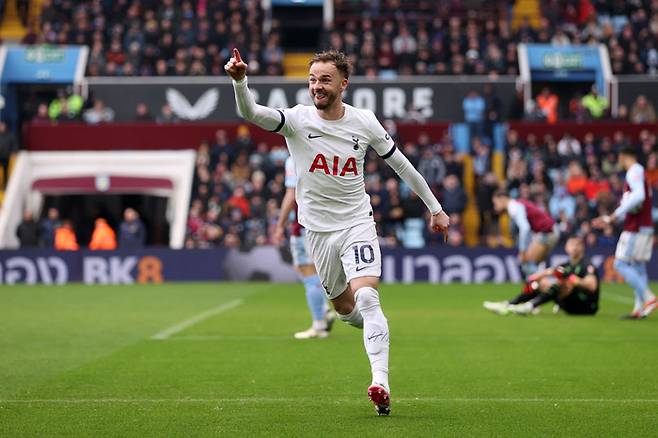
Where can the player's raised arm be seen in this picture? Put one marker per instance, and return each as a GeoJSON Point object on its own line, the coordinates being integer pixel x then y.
{"type": "Point", "coordinates": [262, 116]}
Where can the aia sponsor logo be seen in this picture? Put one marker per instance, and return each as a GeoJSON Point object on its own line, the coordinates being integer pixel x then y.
{"type": "Point", "coordinates": [321, 164]}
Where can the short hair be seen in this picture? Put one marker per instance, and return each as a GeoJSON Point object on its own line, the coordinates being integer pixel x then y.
{"type": "Point", "coordinates": [629, 150]}
{"type": "Point", "coordinates": [336, 57]}
{"type": "Point", "coordinates": [501, 193]}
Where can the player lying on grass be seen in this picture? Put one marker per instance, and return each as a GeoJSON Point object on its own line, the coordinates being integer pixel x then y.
{"type": "Point", "coordinates": [636, 241]}
{"type": "Point", "coordinates": [323, 317]}
{"type": "Point", "coordinates": [573, 286]}
{"type": "Point", "coordinates": [328, 142]}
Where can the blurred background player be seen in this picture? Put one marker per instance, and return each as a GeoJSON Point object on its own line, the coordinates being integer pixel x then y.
{"type": "Point", "coordinates": [328, 143]}
{"type": "Point", "coordinates": [573, 285]}
{"type": "Point", "coordinates": [636, 240]}
{"type": "Point", "coordinates": [323, 317]}
{"type": "Point", "coordinates": [538, 232]}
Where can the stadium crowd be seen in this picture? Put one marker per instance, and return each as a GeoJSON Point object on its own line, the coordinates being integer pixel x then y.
{"type": "Point", "coordinates": [384, 38]}
{"type": "Point", "coordinates": [238, 186]}
{"type": "Point", "coordinates": [161, 38]}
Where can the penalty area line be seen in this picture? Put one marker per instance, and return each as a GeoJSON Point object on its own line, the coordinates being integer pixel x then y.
{"type": "Point", "coordinates": [168, 332]}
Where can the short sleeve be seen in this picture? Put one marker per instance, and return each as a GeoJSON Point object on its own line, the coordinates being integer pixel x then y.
{"type": "Point", "coordinates": [379, 139]}
{"type": "Point", "coordinates": [291, 176]}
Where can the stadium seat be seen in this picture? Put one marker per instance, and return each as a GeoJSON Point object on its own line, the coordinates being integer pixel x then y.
{"type": "Point", "coordinates": [412, 233]}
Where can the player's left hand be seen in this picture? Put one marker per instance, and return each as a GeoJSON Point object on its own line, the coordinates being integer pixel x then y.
{"type": "Point", "coordinates": [236, 67]}
{"type": "Point", "coordinates": [439, 223]}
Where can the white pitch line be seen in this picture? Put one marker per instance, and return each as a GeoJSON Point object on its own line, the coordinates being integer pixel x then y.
{"type": "Point", "coordinates": [166, 333]}
{"type": "Point", "coordinates": [334, 400]}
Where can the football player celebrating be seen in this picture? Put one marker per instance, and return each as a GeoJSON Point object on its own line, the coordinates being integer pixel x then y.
{"type": "Point", "coordinates": [328, 142]}
{"type": "Point", "coordinates": [636, 241]}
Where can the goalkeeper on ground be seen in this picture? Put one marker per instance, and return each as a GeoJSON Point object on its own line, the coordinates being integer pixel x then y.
{"type": "Point", "coordinates": [573, 286]}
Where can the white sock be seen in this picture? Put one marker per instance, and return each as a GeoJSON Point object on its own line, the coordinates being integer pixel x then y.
{"type": "Point", "coordinates": [648, 296]}
{"type": "Point", "coordinates": [375, 334]}
{"type": "Point", "coordinates": [319, 325]}
{"type": "Point", "coordinates": [354, 318]}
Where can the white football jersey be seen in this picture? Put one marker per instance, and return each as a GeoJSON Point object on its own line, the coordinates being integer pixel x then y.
{"type": "Point", "coordinates": [329, 163]}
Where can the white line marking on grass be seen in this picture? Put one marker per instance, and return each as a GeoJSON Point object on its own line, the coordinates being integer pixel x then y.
{"type": "Point", "coordinates": [231, 338]}
{"type": "Point", "coordinates": [166, 333]}
{"type": "Point", "coordinates": [246, 400]}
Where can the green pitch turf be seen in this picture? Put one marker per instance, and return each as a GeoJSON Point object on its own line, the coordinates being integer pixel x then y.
{"type": "Point", "coordinates": [82, 361]}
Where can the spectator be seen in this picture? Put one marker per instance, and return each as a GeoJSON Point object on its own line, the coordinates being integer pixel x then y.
{"type": "Point", "coordinates": [103, 236]}
{"type": "Point", "coordinates": [493, 108]}
{"type": "Point", "coordinates": [642, 111]}
{"type": "Point", "coordinates": [432, 168]}
{"type": "Point", "coordinates": [131, 231]}
{"type": "Point", "coordinates": [595, 103]}
{"type": "Point", "coordinates": [41, 117]}
{"type": "Point", "coordinates": [569, 146]}
{"type": "Point", "coordinates": [99, 113]}
{"type": "Point", "coordinates": [561, 202]}
{"type": "Point", "coordinates": [48, 227]}
{"type": "Point", "coordinates": [65, 239]}
{"type": "Point", "coordinates": [142, 113]}
{"type": "Point", "coordinates": [576, 180]}
{"type": "Point", "coordinates": [27, 231]}
{"type": "Point", "coordinates": [474, 108]}
{"type": "Point", "coordinates": [8, 145]}
{"type": "Point", "coordinates": [66, 106]}
{"type": "Point", "coordinates": [453, 197]}
{"type": "Point", "coordinates": [166, 115]}
{"type": "Point", "coordinates": [548, 102]}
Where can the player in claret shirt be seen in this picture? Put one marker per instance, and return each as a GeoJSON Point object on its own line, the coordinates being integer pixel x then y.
{"type": "Point", "coordinates": [538, 235]}
{"type": "Point", "coordinates": [328, 142]}
{"type": "Point", "coordinates": [636, 241]}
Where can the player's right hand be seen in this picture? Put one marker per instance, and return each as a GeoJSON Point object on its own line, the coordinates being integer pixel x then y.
{"type": "Point", "coordinates": [236, 67]}
{"type": "Point", "coordinates": [279, 234]}
{"type": "Point", "coordinates": [439, 223]}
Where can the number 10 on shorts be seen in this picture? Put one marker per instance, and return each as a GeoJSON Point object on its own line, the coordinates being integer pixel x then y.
{"type": "Point", "coordinates": [363, 253]}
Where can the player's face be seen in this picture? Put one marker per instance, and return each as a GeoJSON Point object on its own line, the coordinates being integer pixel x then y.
{"type": "Point", "coordinates": [325, 84]}
{"type": "Point", "coordinates": [575, 249]}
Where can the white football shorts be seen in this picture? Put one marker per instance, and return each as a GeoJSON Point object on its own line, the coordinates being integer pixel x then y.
{"type": "Point", "coordinates": [299, 250]}
{"type": "Point", "coordinates": [635, 246]}
{"type": "Point", "coordinates": [343, 255]}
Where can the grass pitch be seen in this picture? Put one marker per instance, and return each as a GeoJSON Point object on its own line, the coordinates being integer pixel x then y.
{"type": "Point", "coordinates": [83, 361]}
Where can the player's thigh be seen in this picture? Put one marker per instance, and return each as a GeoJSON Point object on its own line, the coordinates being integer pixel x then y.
{"type": "Point", "coordinates": [361, 256]}
{"type": "Point", "coordinates": [537, 251]}
{"type": "Point", "coordinates": [325, 252]}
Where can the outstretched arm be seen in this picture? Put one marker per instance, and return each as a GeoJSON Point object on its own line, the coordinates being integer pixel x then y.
{"type": "Point", "coordinates": [406, 171]}
{"type": "Point", "coordinates": [262, 116]}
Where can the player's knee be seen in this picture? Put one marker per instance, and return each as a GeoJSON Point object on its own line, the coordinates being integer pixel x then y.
{"type": "Point", "coordinates": [367, 297]}
{"type": "Point", "coordinates": [620, 265]}
{"type": "Point", "coordinates": [545, 284]}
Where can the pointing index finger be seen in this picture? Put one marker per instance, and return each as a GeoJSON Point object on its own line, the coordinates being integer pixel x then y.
{"type": "Point", "coordinates": [236, 55]}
